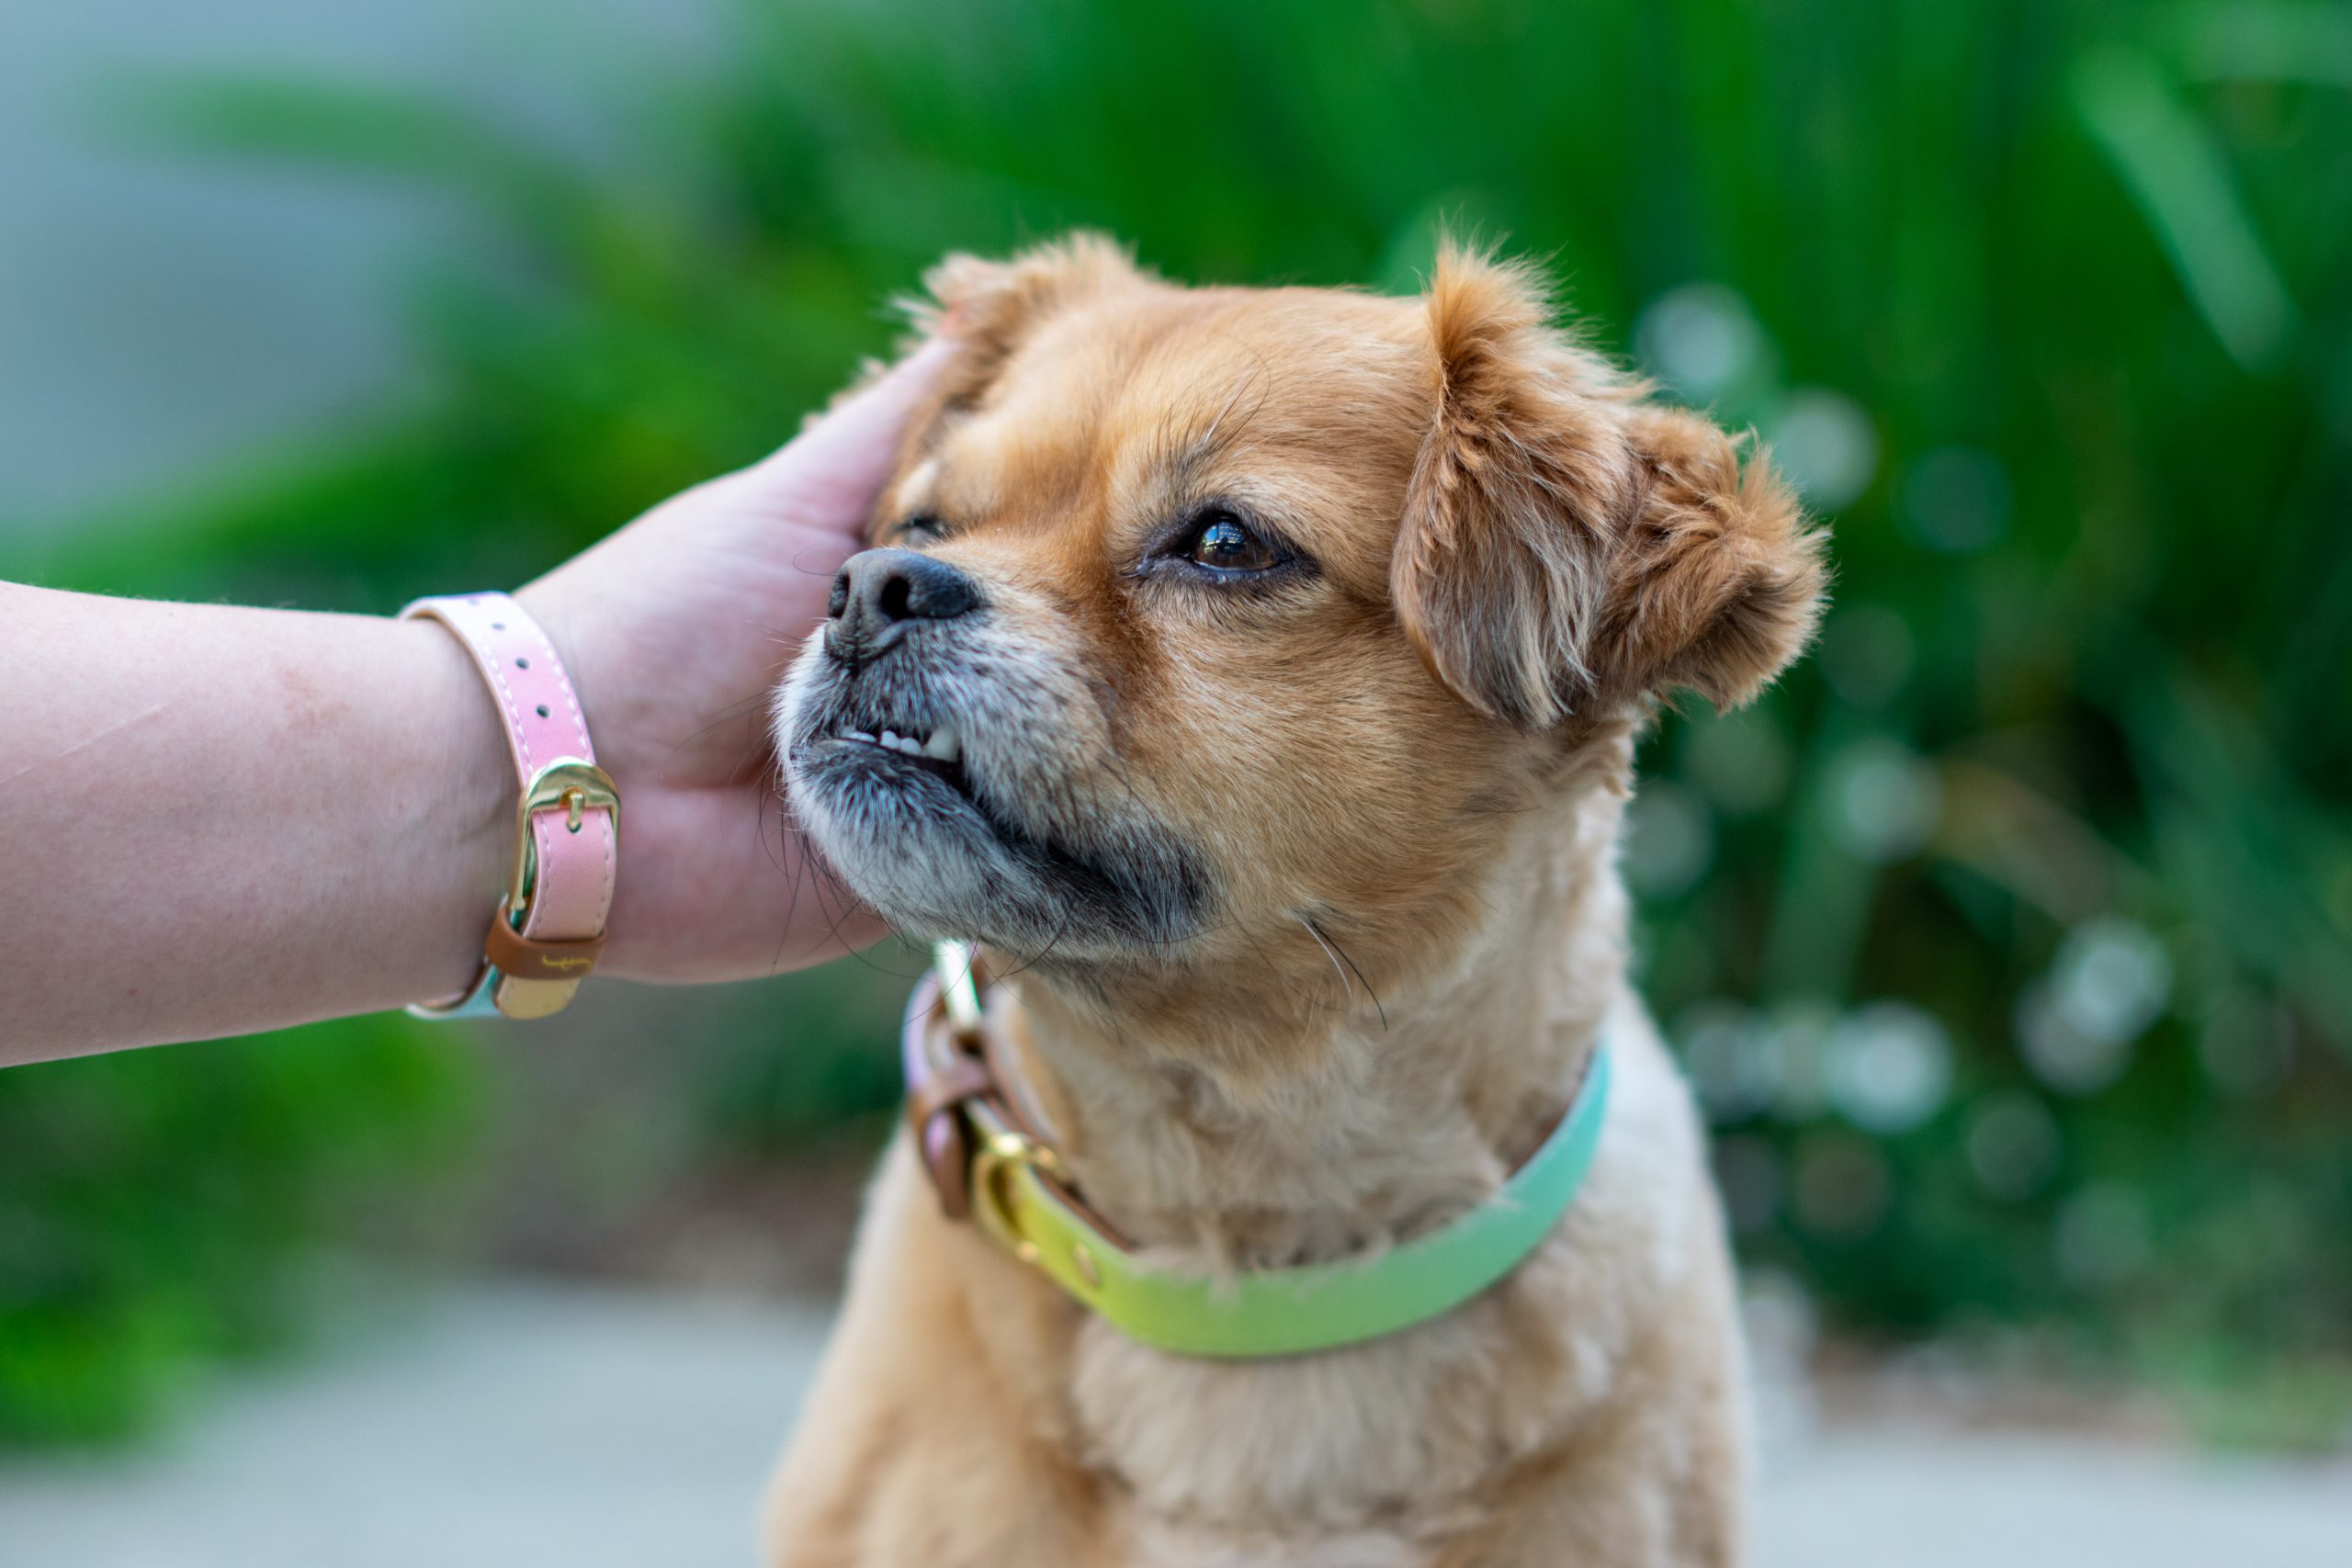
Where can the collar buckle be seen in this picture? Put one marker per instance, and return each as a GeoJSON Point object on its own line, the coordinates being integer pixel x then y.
{"type": "Point", "coordinates": [1005, 1153]}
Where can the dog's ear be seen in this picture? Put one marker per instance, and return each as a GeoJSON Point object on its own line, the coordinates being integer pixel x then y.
{"type": "Point", "coordinates": [989, 307]}
{"type": "Point", "coordinates": [1716, 581]}
{"type": "Point", "coordinates": [1566, 546]}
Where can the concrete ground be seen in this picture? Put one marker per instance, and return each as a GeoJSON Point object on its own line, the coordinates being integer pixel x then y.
{"type": "Point", "coordinates": [509, 1425]}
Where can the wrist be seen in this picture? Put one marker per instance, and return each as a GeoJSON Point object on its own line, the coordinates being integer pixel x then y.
{"type": "Point", "coordinates": [576, 623]}
{"type": "Point", "coordinates": [468, 792]}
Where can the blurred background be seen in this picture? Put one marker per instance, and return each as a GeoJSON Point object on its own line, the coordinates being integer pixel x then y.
{"type": "Point", "coordinates": [2008, 943]}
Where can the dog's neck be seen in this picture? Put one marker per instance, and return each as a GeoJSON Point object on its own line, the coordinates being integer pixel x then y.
{"type": "Point", "coordinates": [1275, 1111]}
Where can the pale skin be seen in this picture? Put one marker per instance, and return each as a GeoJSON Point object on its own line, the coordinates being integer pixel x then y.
{"type": "Point", "coordinates": [216, 819]}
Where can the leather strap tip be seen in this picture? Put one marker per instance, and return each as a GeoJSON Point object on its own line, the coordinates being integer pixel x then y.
{"type": "Point", "coordinates": [941, 1143]}
{"type": "Point", "coordinates": [513, 953]}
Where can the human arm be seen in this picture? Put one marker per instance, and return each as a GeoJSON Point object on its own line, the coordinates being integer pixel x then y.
{"type": "Point", "coordinates": [216, 819]}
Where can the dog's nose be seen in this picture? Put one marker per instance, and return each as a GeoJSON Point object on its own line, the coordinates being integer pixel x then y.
{"type": "Point", "coordinates": [879, 591]}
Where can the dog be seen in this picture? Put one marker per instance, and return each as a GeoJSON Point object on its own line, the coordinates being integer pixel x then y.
{"type": "Point", "coordinates": [1255, 675]}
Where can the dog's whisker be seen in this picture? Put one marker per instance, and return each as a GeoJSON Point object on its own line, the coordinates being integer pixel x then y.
{"type": "Point", "coordinates": [1346, 984]}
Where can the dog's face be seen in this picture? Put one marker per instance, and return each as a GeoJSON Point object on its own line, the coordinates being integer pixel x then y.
{"type": "Point", "coordinates": [1199, 615]}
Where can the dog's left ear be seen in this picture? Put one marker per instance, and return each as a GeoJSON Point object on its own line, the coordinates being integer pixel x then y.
{"type": "Point", "coordinates": [990, 307]}
{"type": "Point", "coordinates": [1566, 546]}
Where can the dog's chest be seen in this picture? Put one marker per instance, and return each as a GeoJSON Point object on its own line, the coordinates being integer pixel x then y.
{"type": "Point", "coordinates": [1159, 1543]}
{"type": "Point", "coordinates": [1337, 1447]}
{"type": "Point", "coordinates": [1418, 1426]}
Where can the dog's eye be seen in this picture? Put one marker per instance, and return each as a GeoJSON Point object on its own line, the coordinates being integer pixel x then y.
{"type": "Point", "coordinates": [1220, 541]}
{"type": "Point", "coordinates": [922, 528]}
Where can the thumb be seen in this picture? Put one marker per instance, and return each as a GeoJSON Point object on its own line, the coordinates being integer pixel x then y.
{"type": "Point", "coordinates": [829, 473]}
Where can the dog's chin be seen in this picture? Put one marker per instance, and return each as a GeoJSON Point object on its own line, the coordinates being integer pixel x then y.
{"type": "Point", "coordinates": [913, 842]}
{"type": "Point", "coordinates": [935, 851]}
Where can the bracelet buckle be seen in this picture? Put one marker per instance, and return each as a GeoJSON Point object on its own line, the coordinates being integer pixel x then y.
{"type": "Point", "coordinates": [572, 785]}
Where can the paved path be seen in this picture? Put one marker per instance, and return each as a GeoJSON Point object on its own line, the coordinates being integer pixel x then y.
{"type": "Point", "coordinates": [507, 1427]}
{"type": "Point", "coordinates": [517, 1425]}
{"type": "Point", "coordinates": [1890, 1498]}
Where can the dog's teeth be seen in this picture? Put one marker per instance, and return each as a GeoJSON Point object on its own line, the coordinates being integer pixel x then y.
{"type": "Point", "coordinates": [941, 745]}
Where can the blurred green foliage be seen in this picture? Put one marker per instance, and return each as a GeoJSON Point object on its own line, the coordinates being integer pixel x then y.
{"type": "Point", "coordinates": [2011, 941]}
{"type": "Point", "coordinates": [155, 1209]}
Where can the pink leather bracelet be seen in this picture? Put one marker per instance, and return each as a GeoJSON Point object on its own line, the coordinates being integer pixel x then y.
{"type": "Point", "coordinates": [550, 926]}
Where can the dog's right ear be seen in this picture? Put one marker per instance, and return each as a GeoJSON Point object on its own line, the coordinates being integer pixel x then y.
{"type": "Point", "coordinates": [1498, 574]}
{"type": "Point", "coordinates": [1566, 546]}
{"type": "Point", "coordinates": [989, 307]}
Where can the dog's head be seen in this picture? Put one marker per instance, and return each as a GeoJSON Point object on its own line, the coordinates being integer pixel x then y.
{"type": "Point", "coordinates": [1200, 615]}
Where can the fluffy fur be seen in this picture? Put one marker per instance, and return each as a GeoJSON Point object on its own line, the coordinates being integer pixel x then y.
{"type": "Point", "coordinates": [1308, 881]}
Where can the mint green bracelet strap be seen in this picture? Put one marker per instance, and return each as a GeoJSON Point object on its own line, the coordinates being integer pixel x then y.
{"type": "Point", "coordinates": [477, 1002]}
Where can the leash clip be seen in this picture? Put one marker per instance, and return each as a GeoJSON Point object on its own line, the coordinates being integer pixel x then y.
{"type": "Point", "coordinates": [948, 1081]}
{"type": "Point", "coordinates": [953, 963]}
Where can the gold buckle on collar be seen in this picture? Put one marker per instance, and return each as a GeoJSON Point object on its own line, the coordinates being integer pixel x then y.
{"type": "Point", "coordinates": [1005, 1152]}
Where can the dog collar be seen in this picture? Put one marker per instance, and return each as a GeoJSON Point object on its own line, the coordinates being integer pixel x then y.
{"type": "Point", "coordinates": [989, 1164]}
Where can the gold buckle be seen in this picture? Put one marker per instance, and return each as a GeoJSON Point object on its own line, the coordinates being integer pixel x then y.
{"type": "Point", "coordinates": [1003, 1151]}
{"type": "Point", "coordinates": [572, 786]}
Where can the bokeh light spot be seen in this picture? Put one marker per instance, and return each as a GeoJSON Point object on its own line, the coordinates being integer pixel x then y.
{"type": "Point", "coordinates": [1702, 343]}
{"type": "Point", "coordinates": [1670, 841]}
{"type": "Point", "coordinates": [1889, 1068]}
{"type": "Point", "coordinates": [1825, 444]}
{"type": "Point", "coordinates": [1885, 800]}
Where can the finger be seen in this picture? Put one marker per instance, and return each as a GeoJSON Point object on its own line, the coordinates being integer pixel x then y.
{"type": "Point", "coordinates": [830, 471]}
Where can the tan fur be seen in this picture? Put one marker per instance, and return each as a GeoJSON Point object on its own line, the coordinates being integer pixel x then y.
{"type": "Point", "coordinates": [1396, 781]}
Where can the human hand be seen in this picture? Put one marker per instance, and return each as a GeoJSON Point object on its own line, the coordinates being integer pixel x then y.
{"type": "Point", "coordinates": [676, 630]}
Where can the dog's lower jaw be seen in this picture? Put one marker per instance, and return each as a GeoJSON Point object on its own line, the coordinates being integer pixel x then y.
{"type": "Point", "coordinates": [938, 864]}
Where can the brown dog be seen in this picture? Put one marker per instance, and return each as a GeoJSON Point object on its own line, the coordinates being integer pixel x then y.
{"type": "Point", "coordinates": [1262, 669]}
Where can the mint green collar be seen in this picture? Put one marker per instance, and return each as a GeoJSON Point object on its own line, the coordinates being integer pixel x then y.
{"type": "Point", "coordinates": [988, 1167]}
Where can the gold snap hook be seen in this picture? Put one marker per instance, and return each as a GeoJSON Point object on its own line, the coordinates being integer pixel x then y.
{"type": "Point", "coordinates": [1002, 1153]}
